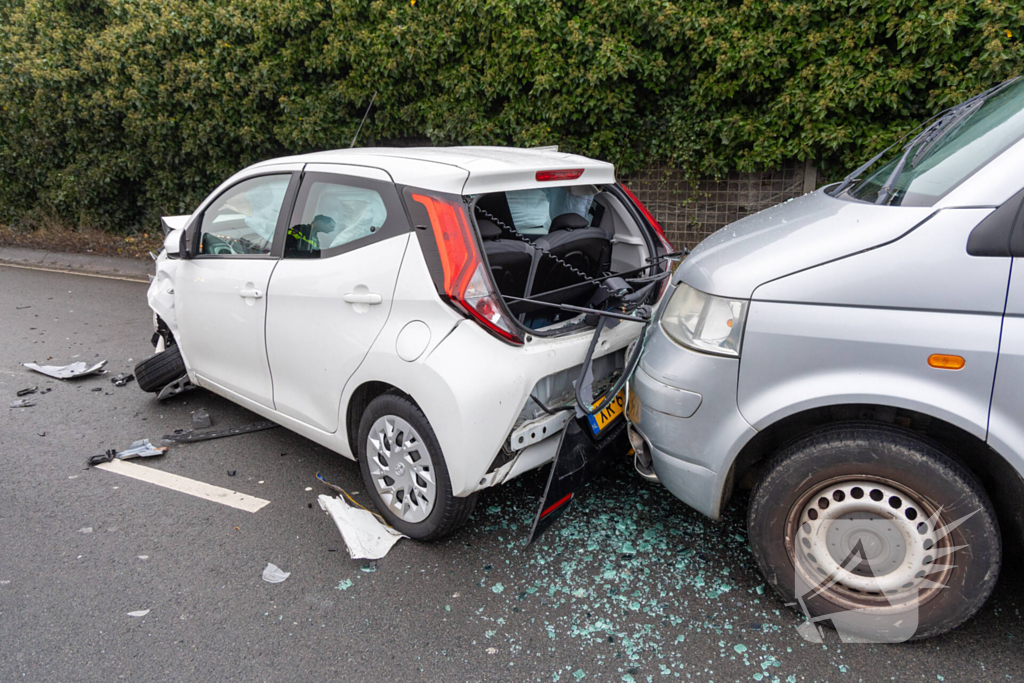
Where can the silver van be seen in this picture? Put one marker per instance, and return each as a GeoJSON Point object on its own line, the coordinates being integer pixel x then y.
{"type": "Point", "coordinates": [856, 357]}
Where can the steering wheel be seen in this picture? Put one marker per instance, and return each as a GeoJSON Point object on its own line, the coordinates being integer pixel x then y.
{"type": "Point", "coordinates": [218, 244]}
{"type": "Point", "coordinates": [214, 244]}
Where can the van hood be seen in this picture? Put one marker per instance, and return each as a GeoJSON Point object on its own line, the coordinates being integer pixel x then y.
{"type": "Point", "coordinates": [795, 235]}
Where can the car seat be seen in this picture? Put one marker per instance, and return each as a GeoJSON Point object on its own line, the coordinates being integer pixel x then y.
{"type": "Point", "coordinates": [511, 260]}
{"type": "Point", "coordinates": [571, 240]}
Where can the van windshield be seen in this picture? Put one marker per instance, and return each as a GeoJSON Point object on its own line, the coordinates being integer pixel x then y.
{"type": "Point", "coordinates": [938, 164]}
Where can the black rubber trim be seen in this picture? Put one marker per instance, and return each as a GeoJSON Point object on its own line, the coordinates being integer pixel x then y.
{"type": "Point", "coordinates": [1000, 232]}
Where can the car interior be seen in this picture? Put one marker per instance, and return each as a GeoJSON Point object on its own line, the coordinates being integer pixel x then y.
{"type": "Point", "coordinates": [548, 244]}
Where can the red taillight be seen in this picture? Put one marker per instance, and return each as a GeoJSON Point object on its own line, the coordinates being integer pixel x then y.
{"type": "Point", "coordinates": [465, 275]}
{"type": "Point", "coordinates": [653, 221]}
{"type": "Point", "coordinates": [563, 174]}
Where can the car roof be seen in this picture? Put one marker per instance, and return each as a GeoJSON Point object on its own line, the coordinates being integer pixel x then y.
{"type": "Point", "coordinates": [463, 170]}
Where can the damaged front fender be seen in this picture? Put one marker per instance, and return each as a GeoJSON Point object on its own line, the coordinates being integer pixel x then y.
{"type": "Point", "coordinates": [161, 291]}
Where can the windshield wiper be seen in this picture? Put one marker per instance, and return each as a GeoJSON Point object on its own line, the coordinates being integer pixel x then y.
{"type": "Point", "coordinates": [947, 116]}
{"type": "Point", "coordinates": [929, 137]}
{"type": "Point", "coordinates": [924, 136]}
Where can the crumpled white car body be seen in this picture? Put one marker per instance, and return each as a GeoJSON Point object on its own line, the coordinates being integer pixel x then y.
{"type": "Point", "coordinates": [308, 342]}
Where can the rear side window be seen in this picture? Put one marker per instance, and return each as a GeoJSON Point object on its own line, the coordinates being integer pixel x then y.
{"type": "Point", "coordinates": [334, 214]}
{"type": "Point", "coordinates": [242, 220]}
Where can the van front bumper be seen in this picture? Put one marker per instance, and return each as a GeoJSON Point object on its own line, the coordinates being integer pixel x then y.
{"type": "Point", "coordinates": [683, 405]}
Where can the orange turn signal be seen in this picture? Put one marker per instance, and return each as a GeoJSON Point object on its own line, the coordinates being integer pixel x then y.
{"type": "Point", "coordinates": [945, 362]}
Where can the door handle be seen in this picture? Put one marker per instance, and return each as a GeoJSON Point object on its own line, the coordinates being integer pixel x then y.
{"type": "Point", "coordinates": [363, 298]}
{"type": "Point", "coordinates": [250, 294]}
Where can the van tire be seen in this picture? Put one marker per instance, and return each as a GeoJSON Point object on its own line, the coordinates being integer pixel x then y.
{"type": "Point", "coordinates": [448, 512]}
{"type": "Point", "coordinates": [156, 372]}
{"type": "Point", "coordinates": [883, 457]}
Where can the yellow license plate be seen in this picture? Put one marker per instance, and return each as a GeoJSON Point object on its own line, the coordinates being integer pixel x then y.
{"type": "Point", "coordinates": [598, 421]}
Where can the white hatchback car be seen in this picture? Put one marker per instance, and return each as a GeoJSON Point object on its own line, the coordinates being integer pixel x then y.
{"type": "Point", "coordinates": [423, 311]}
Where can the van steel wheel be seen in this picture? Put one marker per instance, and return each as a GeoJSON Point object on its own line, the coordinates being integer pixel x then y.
{"type": "Point", "coordinates": [877, 526]}
{"type": "Point", "coordinates": [404, 470]}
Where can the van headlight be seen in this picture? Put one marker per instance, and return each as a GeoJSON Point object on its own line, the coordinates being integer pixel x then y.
{"type": "Point", "coordinates": [703, 322]}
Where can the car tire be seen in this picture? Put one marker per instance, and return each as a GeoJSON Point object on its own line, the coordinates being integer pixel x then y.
{"type": "Point", "coordinates": [156, 372]}
{"type": "Point", "coordinates": [409, 485]}
{"type": "Point", "coordinates": [882, 484]}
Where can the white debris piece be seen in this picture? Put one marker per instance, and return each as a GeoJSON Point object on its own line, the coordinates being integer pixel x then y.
{"type": "Point", "coordinates": [365, 536]}
{"type": "Point", "coordinates": [141, 449]}
{"type": "Point", "coordinates": [79, 369]}
{"type": "Point", "coordinates": [139, 613]}
{"type": "Point", "coordinates": [273, 574]}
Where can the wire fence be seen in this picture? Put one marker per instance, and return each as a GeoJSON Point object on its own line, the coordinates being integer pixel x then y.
{"type": "Point", "coordinates": [689, 211]}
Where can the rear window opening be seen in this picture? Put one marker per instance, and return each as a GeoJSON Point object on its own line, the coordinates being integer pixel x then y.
{"type": "Point", "coordinates": [549, 243]}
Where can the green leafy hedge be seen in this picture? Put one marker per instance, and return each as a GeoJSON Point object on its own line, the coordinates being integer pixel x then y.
{"type": "Point", "coordinates": [117, 111]}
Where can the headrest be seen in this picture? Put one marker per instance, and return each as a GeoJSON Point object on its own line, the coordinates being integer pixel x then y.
{"type": "Point", "coordinates": [568, 221]}
{"type": "Point", "coordinates": [488, 230]}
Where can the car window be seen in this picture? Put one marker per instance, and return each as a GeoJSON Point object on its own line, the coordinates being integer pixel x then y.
{"type": "Point", "coordinates": [332, 214]}
{"type": "Point", "coordinates": [243, 219]}
{"type": "Point", "coordinates": [969, 143]}
{"type": "Point", "coordinates": [533, 210]}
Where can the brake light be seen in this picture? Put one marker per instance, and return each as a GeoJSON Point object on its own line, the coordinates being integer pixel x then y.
{"type": "Point", "coordinates": [466, 283]}
{"type": "Point", "coordinates": [563, 174]}
{"type": "Point", "coordinates": [651, 219]}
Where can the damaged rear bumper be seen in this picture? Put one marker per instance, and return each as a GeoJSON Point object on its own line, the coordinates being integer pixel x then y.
{"type": "Point", "coordinates": [478, 417]}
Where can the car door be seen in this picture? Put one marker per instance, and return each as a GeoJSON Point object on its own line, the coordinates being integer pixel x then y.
{"type": "Point", "coordinates": [331, 293]}
{"type": "Point", "coordinates": [235, 243]}
{"type": "Point", "coordinates": [1006, 427]}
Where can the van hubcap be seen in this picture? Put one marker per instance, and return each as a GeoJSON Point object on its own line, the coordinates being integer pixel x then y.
{"type": "Point", "coordinates": [867, 543]}
{"type": "Point", "coordinates": [401, 468]}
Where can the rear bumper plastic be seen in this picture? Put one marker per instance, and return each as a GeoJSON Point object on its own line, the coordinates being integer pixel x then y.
{"type": "Point", "coordinates": [474, 388]}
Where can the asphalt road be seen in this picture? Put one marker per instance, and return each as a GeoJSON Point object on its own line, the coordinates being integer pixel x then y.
{"type": "Point", "coordinates": [631, 586]}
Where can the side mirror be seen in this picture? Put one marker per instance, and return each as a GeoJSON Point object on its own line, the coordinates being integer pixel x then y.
{"type": "Point", "coordinates": [174, 243]}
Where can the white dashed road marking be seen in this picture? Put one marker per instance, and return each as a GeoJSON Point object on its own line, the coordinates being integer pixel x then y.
{"type": "Point", "coordinates": [185, 485]}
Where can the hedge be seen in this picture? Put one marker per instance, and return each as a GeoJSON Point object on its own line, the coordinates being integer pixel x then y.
{"type": "Point", "coordinates": [117, 111]}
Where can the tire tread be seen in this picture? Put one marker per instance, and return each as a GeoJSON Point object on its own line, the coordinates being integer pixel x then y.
{"type": "Point", "coordinates": [156, 372]}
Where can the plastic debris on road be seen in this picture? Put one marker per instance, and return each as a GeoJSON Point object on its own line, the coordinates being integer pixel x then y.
{"type": "Point", "coordinates": [366, 537]}
{"type": "Point", "coordinates": [178, 386]}
{"type": "Point", "coordinates": [109, 455]}
{"type": "Point", "coordinates": [122, 379]}
{"type": "Point", "coordinates": [139, 613]}
{"type": "Point", "coordinates": [71, 371]}
{"type": "Point", "coordinates": [141, 449]}
{"type": "Point", "coordinates": [273, 574]}
{"type": "Point", "coordinates": [26, 392]}
{"type": "Point", "coordinates": [201, 419]}
{"type": "Point", "coordinates": [194, 435]}
{"type": "Point", "coordinates": [23, 403]}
